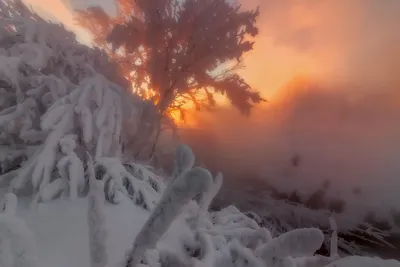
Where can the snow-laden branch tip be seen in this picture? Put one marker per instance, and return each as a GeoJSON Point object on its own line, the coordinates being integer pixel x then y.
{"type": "Point", "coordinates": [182, 190]}
{"type": "Point", "coordinates": [334, 238]}
{"type": "Point", "coordinates": [295, 243]}
{"type": "Point", "coordinates": [96, 218]}
{"type": "Point", "coordinates": [184, 160]}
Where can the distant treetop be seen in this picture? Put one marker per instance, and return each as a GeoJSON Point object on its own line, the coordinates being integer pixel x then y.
{"type": "Point", "coordinates": [178, 52]}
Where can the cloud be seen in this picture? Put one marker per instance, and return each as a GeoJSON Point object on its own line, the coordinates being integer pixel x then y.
{"type": "Point", "coordinates": [334, 40]}
{"type": "Point", "coordinates": [62, 11]}
{"type": "Point", "coordinates": [342, 119]}
{"type": "Point", "coordinates": [59, 11]}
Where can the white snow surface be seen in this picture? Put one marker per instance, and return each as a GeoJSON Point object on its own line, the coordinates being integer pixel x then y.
{"type": "Point", "coordinates": [98, 107]}
{"type": "Point", "coordinates": [62, 231]}
{"type": "Point", "coordinates": [62, 234]}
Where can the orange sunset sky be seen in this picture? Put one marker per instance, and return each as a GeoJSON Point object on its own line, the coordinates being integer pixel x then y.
{"type": "Point", "coordinates": [327, 39]}
{"type": "Point", "coordinates": [268, 66]}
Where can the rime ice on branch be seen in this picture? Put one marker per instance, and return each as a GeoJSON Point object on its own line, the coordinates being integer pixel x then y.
{"type": "Point", "coordinates": [182, 190]}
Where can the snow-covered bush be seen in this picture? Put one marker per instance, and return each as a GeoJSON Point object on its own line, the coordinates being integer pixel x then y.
{"type": "Point", "coordinates": [281, 216]}
{"type": "Point", "coordinates": [128, 180]}
{"type": "Point", "coordinates": [230, 238]}
{"type": "Point", "coordinates": [222, 238]}
{"type": "Point", "coordinates": [180, 192]}
{"type": "Point", "coordinates": [56, 104]}
{"type": "Point", "coordinates": [358, 261]}
{"type": "Point", "coordinates": [251, 245]}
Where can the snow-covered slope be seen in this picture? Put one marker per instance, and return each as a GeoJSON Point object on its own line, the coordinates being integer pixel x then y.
{"type": "Point", "coordinates": [178, 231]}
{"type": "Point", "coordinates": [65, 132]}
{"type": "Point", "coordinates": [62, 231]}
{"type": "Point", "coordinates": [62, 236]}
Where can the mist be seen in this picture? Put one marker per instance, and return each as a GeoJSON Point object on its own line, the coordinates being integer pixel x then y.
{"type": "Point", "coordinates": [330, 72]}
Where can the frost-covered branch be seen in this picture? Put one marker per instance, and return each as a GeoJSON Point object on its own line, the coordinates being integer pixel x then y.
{"type": "Point", "coordinates": [183, 161]}
{"type": "Point", "coordinates": [120, 182]}
{"type": "Point", "coordinates": [96, 219]}
{"type": "Point", "coordinates": [296, 243]}
{"type": "Point", "coordinates": [334, 239]}
{"type": "Point", "coordinates": [183, 189]}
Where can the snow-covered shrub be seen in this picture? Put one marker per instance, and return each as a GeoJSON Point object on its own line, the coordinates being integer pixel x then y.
{"type": "Point", "coordinates": [241, 256]}
{"type": "Point", "coordinates": [57, 103]}
{"type": "Point", "coordinates": [281, 216]}
{"type": "Point", "coordinates": [358, 261]}
{"type": "Point", "coordinates": [120, 182]}
{"type": "Point", "coordinates": [168, 259]}
{"type": "Point", "coordinates": [233, 239]}
{"type": "Point", "coordinates": [296, 243]}
{"type": "Point", "coordinates": [230, 238]}
{"type": "Point", "coordinates": [70, 167]}
{"type": "Point", "coordinates": [146, 173]}
{"type": "Point", "coordinates": [183, 189]}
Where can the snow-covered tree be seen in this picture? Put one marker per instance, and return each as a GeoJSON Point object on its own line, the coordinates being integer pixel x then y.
{"type": "Point", "coordinates": [180, 51]}
{"type": "Point", "coordinates": [57, 103]}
